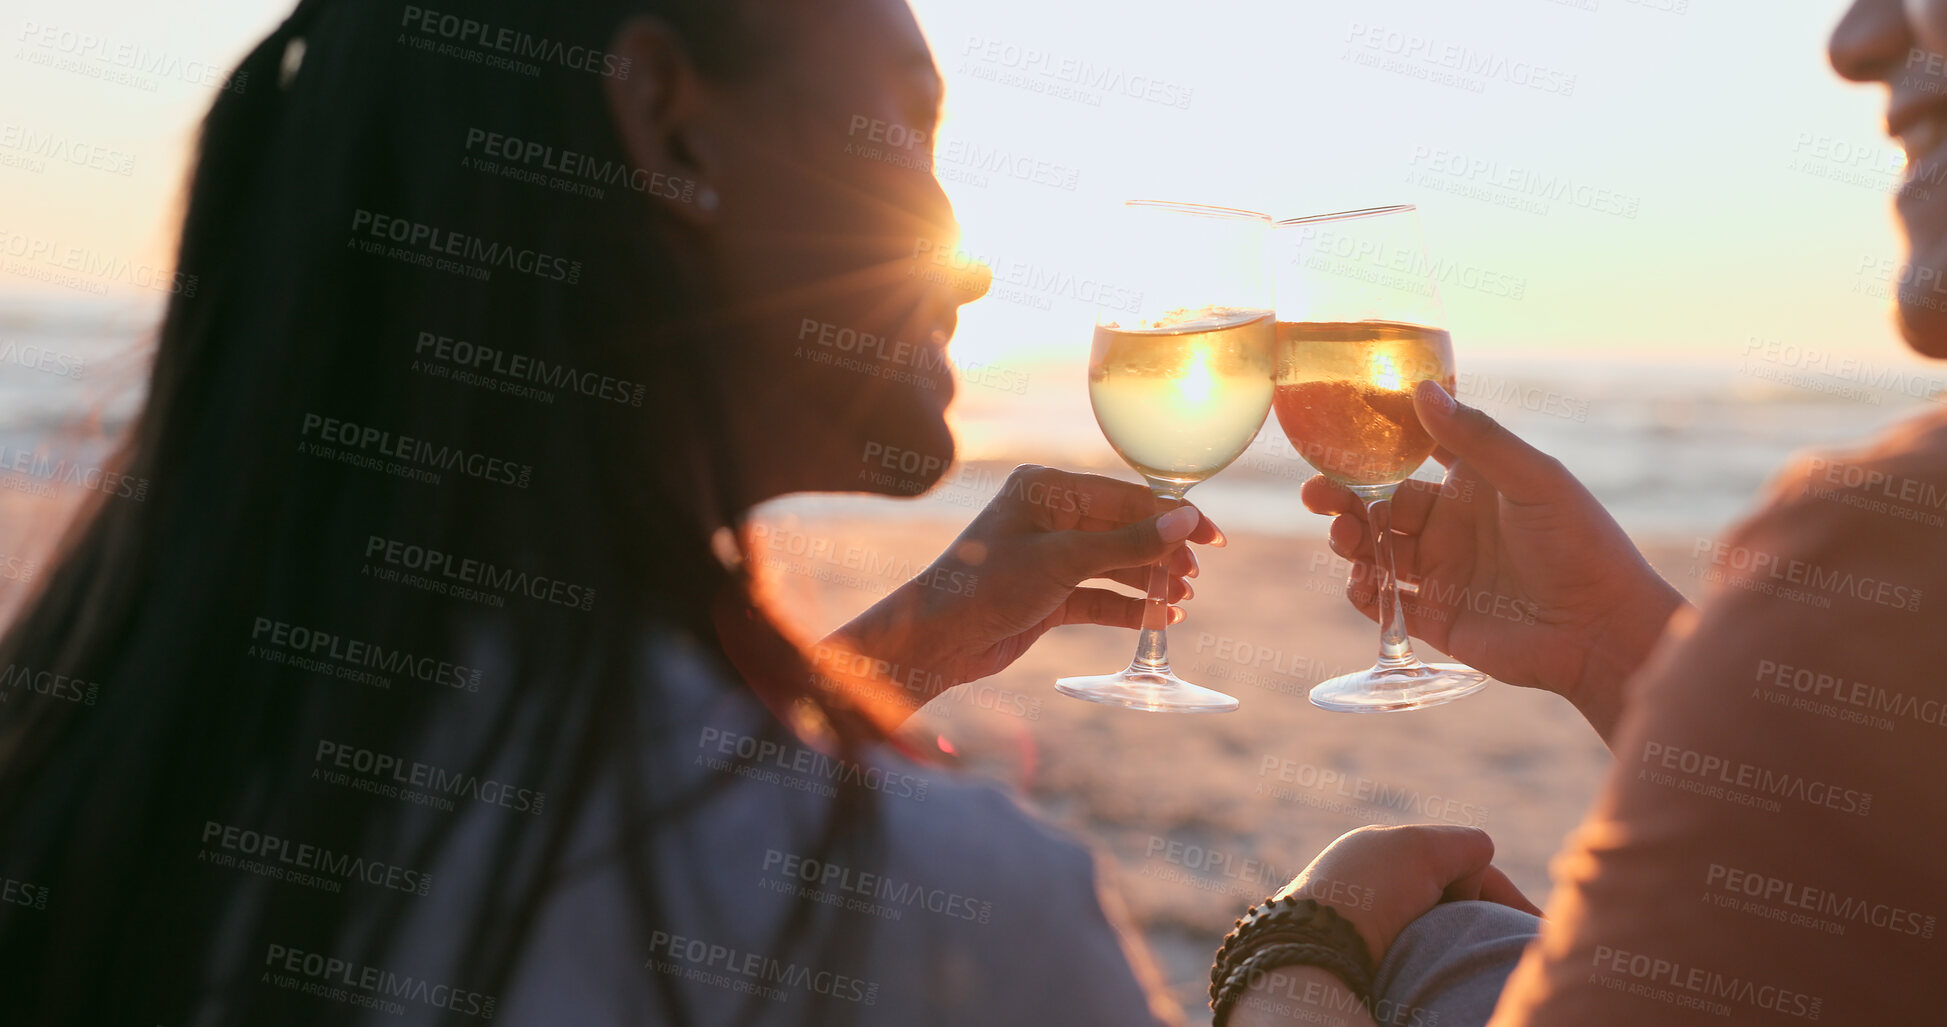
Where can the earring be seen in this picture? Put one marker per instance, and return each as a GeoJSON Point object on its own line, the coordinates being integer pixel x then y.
{"type": "Point", "coordinates": [707, 199]}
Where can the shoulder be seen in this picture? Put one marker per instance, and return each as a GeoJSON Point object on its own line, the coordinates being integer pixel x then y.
{"type": "Point", "coordinates": [1833, 581]}
{"type": "Point", "coordinates": [1898, 479]}
{"type": "Point", "coordinates": [1846, 532]}
{"type": "Point", "coordinates": [1788, 734]}
{"type": "Point", "coordinates": [1012, 867]}
{"type": "Point", "coordinates": [1010, 914]}
{"type": "Point", "coordinates": [975, 817]}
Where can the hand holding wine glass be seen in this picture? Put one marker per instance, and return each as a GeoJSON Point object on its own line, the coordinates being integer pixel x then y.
{"type": "Point", "coordinates": [1180, 385]}
{"type": "Point", "coordinates": [1359, 328]}
{"type": "Point", "coordinates": [1031, 561]}
{"type": "Point", "coordinates": [1519, 569]}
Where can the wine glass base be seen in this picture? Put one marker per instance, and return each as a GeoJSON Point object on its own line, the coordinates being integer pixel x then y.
{"type": "Point", "coordinates": [1146, 690]}
{"type": "Point", "coordinates": [1387, 690]}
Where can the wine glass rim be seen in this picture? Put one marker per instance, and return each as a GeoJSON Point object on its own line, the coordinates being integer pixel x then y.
{"type": "Point", "coordinates": [1348, 215]}
{"type": "Point", "coordinates": [1200, 210]}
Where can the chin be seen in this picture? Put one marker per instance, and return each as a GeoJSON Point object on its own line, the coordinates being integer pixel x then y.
{"type": "Point", "coordinates": [1924, 329]}
{"type": "Point", "coordinates": [904, 452]}
{"type": "Point", "coordinates": [1920, 290]}
{"type": "Point", "coordinates": [922, 462]}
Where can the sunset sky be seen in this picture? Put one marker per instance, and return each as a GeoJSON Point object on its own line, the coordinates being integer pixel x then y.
{"type": "Point", "coordinates": [1713, 181]}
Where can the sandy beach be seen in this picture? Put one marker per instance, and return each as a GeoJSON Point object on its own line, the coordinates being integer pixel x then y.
{"type": "Point", "coordinates": [1196, 817]}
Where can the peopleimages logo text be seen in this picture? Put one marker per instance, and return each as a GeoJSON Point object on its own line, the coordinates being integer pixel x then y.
{"type": "Point", "coordinates": [514, 42]}
{"type": "Point", "coordinates": [524, 369]}
{"type": "Point", "coordinates": [469, 571]}
{"type": "Point", "coordinates": [320, 860]}
{"type": "Point", "coordinates": [380, 767]}
{"type": "Point", "coordinates": [308, 641]}
{"type": "Point", "coordinates": [408, 449]}
{"type": "Point", "coordinates": [431, 239]}
{"type": "Point", "coordinates": [579, 166]}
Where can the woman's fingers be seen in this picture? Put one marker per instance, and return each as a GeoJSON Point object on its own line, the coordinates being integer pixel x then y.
{"type": "Point", "coordinates": [1084, 553]}
{"type": "Point", "coordinates": [1181, 563]}
{"type": "Point", "coordinates": [1138, 579]}
{"type": "Point", "coordinates": [1069, 500]}
{"type": "Point", "coordinates": [1110, 609]}
{"type": "Point", "coordinates": [1208, 534]}
{"type": "Point", "coordinates": [1059, 500]}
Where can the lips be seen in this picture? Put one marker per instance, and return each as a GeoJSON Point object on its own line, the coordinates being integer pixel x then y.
{"type": "Point", "coordinates": [1919, 123]}
{"type": "Point", "coordinates": [938, 339]}
{"type": "Point", "coordinates": [1924, 135]}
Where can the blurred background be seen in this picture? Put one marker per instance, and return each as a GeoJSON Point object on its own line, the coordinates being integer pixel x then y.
{"type": "Point", "coordinates": [1660, 229]}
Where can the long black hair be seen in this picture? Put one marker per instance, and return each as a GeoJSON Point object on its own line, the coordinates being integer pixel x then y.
{"type": "Point", "coordinates": [330, 455]}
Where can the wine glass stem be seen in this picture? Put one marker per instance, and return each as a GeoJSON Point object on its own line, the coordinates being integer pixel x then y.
{"type": "Point", "coordinates": [1152, 646]}
{"type": "Point", "coordinates": [1395, 649]}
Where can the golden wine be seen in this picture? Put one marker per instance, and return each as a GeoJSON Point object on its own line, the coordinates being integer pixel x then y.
{"type": "Point", "coordinates": [1181, 401]}
{"type": "Point", "coordinates": [1345, 395]}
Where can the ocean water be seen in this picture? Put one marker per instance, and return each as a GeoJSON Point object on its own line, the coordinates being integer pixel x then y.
{"type": "Point", "coordinates": [1676, 450]}
{"type": "Point", "coordinates": [72, 375]}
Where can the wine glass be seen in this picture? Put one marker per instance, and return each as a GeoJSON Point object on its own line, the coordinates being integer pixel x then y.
{"type": "Point", "coordinates": [1359, 326]}
{"type": "Point", "coordinates": [1180, 376]}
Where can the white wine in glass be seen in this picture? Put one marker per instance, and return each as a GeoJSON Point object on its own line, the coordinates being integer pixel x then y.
{"type": "Point", "coordinates": [1359, 327]}
{"type": "Point", "coordinates": [1345, 396]}
{"type": "Point", "coordinates": [1180, 402]}
{"type": "Point", "coordinates": [1180, 386]}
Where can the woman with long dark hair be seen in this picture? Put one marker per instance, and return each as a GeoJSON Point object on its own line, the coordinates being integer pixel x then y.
{"type": "Point", "coordinates": [431, 682]}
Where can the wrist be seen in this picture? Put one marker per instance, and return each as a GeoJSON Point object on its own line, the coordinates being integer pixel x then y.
{"type": "Point", "coordinates": [1284, 931]}
{"type": "Point", "coordinates": [1298, 994]}
{"type": "Point", "coordinates": [1619, 647]}
{"type": "Point", "coordinates": [891, 648]}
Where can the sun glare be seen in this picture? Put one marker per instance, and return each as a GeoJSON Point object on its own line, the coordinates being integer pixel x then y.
{"type": "Point", "coordinates": [1385, 373]}
{"type": "Point", "coordinates": [1198, 380]}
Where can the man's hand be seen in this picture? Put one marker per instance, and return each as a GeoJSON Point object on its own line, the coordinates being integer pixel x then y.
{"type": "Point", "coordinates": [1383, 878]}
{"type": "Point", "coordinates": [1520, 571]}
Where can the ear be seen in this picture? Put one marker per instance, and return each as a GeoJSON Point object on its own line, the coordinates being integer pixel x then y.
{"type": "Point", "coordinates": [661, 112]}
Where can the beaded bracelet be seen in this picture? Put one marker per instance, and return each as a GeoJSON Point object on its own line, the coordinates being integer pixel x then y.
{"type": "Point", "coordinates": [1282, 932]}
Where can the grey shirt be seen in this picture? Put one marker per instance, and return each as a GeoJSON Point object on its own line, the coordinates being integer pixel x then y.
{"type": "Point", "coordinates": [968, 909]}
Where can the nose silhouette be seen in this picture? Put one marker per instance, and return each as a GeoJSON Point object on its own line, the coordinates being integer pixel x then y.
{"type": "Point", "coordinates": [1871, 41]}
